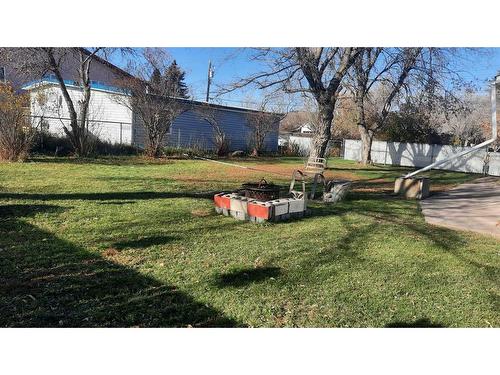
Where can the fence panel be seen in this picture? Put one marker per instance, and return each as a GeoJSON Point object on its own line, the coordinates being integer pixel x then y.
{"type": "Point", "coordinates": [420, 155]}
{"type": "Point", "coordinates": [109, 131]}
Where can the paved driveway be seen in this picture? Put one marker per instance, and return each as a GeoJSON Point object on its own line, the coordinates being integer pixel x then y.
{"type": "Point", "coordinates": [472, 206]}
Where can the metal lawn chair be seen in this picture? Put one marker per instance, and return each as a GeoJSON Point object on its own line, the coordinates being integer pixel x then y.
{"type": "Point", "coordinates": [313, 168]}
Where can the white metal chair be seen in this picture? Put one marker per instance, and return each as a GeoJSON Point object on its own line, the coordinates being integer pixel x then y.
{"type": "Point", "coordinates": [314, 167]}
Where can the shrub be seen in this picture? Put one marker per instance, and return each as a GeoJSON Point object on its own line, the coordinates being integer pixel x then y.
{"type": "Point", "coordinates": [291, 149]}
{"type": "Point", "coordinates": [181, 152]}
{"type": "Point", "coordinates": [16, 132]}
{"type": "Point", "coordinates": [116, 149]}
{"type": "Point", "coordinates": [335, 150]}
{"type": "Point", "coordinates": [54, 145]}
{"type": "Point", "coordinates": [49, 144]}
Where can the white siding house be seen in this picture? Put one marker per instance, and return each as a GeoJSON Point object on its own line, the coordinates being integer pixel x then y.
{"type": "Point", "coordinates": [306, 129]}
{"type": "Point", "coordinates": [109, 119]}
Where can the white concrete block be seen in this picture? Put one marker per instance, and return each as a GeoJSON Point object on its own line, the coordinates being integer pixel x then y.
{"type": "Point", "coordinates": [296, 205]}
{"type": "Point", "coordinates": [239, 204]}
{"type": "Point", "coordinates": [239, 215]}
{"type": "Point", "coordinates": [280, 206]}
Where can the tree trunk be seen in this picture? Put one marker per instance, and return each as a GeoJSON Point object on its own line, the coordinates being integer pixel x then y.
{"type": "Point", "coordinates": [322, 132]}
{"type": "Point", "coordinates": [153, 148]}
{"type": "Point", "coordinates": [366, 144]}
{"type": "Point", "coordinates": [84, 146]}
{"type": "Point", "coordinates": [78, 133]}
{"type": "Point", "coordinates": [365, 133]}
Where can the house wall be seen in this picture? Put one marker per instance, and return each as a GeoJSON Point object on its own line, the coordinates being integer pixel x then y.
{"type": "Point", "coordinates": [113, 122]}
{"type": "Point", "coordinates": [191, 130]}
{"type": "Point", "coordinates": [109, 120]}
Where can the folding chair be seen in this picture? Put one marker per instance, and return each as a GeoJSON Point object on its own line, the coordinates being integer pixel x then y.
{"type": "Point", "coordinates": [313, 168]}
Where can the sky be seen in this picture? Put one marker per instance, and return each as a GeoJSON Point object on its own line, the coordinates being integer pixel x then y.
{"type": "Point", "coordinates": [233, 63]}
{"type": "Point", "coordinates": [229, 64]}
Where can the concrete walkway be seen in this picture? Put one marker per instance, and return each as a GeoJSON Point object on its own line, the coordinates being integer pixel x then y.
{"type": "Point", "coordinates": [472, 206]}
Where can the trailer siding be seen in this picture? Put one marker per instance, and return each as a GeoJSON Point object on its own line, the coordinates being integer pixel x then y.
{"type": "Point", "coordinates": [191, 130]}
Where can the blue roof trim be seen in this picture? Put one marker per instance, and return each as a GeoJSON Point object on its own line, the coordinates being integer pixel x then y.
{"type": "Point", "coordinates": [93, 84]}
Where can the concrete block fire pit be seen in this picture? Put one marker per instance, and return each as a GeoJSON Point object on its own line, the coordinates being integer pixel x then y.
{"type": "Point", "coordinates": [243, 208]}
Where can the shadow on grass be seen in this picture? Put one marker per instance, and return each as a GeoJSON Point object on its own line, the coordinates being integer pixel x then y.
{"type": "Point", "coordinates": [363, 217]}
{"type": "Point", "coordinates": [109, 196]}
{"type": "Point", "coordinates": [244, 277]}
{"type": "Point", "coordinates": [135, 160]}
{"type": "Point", "coordinates": [144, 242]}
{"type": "Point", "coordinates": [12, 211]}
{"type": "Point", "coordinates": [49, 282]}
{"type": "Point", "coordinates": [373, 169]}
{"type": "Point", "coordinates": [118, 203]}
{"type": "Point", "coordinates": [419, 323]}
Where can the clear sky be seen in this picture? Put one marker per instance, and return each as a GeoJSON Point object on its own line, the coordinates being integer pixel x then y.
{"type": "Point", "coordinates": [231, 63]}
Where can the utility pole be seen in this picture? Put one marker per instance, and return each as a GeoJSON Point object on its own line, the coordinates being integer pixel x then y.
{"type": "Point", "coordinates": [210, 76]}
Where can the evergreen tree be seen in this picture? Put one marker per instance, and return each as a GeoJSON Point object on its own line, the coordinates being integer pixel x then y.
{"type": "Point", "coordinates": [156, 81]}
{"type": "Point", "coordinates": [174, 81]}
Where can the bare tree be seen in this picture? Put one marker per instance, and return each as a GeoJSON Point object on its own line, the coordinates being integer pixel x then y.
{"type": "Point", "coordinates": [383, 77]}
{"type": "Point", "coordinates": [261, 123]}
{"type": "Point", "coordinates": [150, 99]}
{"type": "Point", "coordinates": [471, 124]}
{"type": "Point", "coordinates": [386, 70]}
{"type": "Point", "coordinates": [42, 60]}
{"type": "Point", "coordinates": [219, 137]}
{"type": "Point", "coordinates": [315, 72]}
{"type": "Point", "coordinates": [345, 119]}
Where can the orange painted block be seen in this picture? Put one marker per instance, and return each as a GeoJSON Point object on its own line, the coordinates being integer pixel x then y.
{"type": "Point", "coordinates": [260, 210]}
{"type": "Point", "coordinates": [222, 201]}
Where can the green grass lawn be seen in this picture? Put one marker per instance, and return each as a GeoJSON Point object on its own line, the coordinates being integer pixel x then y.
{"type": "Point", "coordinates": [127, 242]}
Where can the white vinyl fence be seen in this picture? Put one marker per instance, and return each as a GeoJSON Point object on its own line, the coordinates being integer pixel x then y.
{"type": "Point", "coordinates": [303, 144]}
{"type": "Point", "coordinates": [421, 155]}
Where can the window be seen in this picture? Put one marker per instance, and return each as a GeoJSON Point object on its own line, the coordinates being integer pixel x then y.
{"type": "Point", "coordinates": [2, 74]}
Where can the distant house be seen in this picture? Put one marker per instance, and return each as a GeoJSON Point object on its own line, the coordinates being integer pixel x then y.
{"type": "Point", "coordinates": [304, 129]}
{"type": "Point", "coordinates": [114, 122]}
{"type": "Point", "coordinates": [295, 134]}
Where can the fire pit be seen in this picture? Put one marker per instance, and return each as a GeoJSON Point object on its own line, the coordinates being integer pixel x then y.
{"type": "Point", "coordinates": [262, 191]}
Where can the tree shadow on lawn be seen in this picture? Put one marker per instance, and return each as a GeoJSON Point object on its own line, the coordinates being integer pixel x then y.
{"type": "Point", "coordinates": [447, 240]}
{"type": "Point", "coordinates": [387, 170]}
{"type": "Point", "coordinates": [144, 242]}
{"type": "Point", "coordinates": [377, 208]}
{"type": "Point", "coordinates": [386, 185]}
{"type": "Point", "coordinates": [49, 282]}
{"type": "Point", "coordinates": [128, 196]}
{"type": "Point", "coordinates": [118, 203]}
{"type": "Point", "coordinates": [246, 276]}
{"type": "Point", "coordinates": [135, 160]}
{"type": "Point", "coordinates": [419, 323]}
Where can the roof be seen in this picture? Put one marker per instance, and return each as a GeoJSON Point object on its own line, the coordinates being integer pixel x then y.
{"type": "Point", "coordinates": [100, 86]}
{"type": "Point", "coordinates": [107, 63]}
{"type": "Point", "coordinates": [52, 80]}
